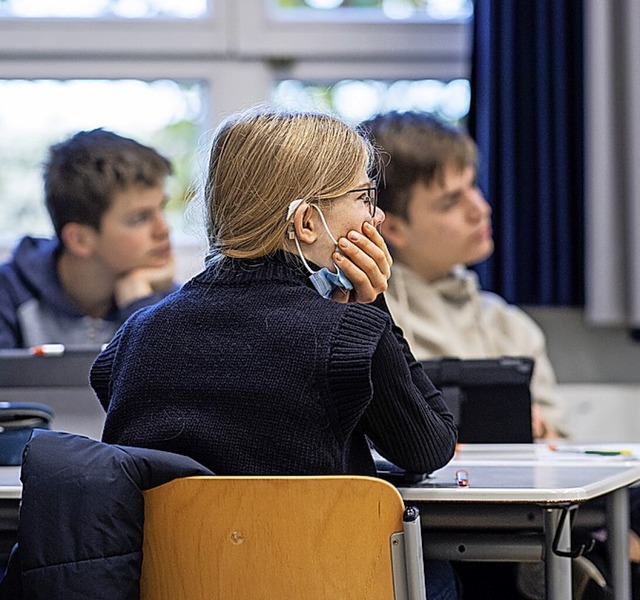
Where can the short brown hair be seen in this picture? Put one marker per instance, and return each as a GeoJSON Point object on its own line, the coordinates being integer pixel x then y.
{"type": "Point", "coordinates": [84, 172]}
{"type": "Point", "coordinates": [415, 147]}
{"type": "Point", "coordinates": [261, 160]}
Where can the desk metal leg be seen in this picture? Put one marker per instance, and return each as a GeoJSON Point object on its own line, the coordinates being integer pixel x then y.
{"type": "Point", "coordinates": [557, 577]}
{"type": "Point", "coordinates": [618, 541]}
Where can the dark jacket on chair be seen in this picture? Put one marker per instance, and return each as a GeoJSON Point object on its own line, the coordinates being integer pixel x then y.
{"type": "Point", "coordinates": [81, 517]}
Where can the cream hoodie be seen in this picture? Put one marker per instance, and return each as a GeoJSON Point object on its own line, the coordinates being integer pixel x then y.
{"type": "Point", "coordinates": [453, 317]}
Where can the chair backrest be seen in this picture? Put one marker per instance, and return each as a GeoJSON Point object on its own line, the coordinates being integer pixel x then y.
{"type": "Point", "coordinates": [253, 538]}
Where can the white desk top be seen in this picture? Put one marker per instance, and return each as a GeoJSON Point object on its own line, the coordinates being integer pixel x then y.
{"type": "Point", "coordinates": [10, 485]}
{"type": "Point", "coordinates": [508, 473]}
{"type": "Point", "coordinates": [529, 473]}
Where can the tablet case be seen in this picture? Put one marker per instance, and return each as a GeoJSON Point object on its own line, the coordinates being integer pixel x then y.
{"type": "Point", "coordinates": [489, 398]}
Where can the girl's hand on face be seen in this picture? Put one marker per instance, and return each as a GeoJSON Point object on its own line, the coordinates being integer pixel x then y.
{"type": "Point", "coordinates": [366, 261]}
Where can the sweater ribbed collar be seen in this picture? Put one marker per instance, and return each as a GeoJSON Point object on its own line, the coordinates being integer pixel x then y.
{"type": "Point", "coordinates": [280, 266]}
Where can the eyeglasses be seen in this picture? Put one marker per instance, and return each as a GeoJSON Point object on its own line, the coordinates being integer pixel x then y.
{"type": "Point", "coordinates": [371, 198]}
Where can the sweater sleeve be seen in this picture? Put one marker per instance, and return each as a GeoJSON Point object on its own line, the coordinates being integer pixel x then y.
{"type": "Point", "coordinates": [400, 410]}
{"type": "Point", "coordinates": [100, 374]}
{"type": "Point", "coordinates": [407, 420]}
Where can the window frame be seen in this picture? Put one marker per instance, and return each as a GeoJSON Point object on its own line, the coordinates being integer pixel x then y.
{"type": "Point", "coordinates": [391, 40]}
{"type": "Point", "coordinates": [109, 37]}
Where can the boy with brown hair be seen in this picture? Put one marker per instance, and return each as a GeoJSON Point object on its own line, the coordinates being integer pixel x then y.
{"type": "Point", "coordinates": [111, 253]}
{"type": "Point", "coordinates": [437, 223]}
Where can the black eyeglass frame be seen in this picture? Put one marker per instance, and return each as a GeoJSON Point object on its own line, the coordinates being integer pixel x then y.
{"type": "Point", "coordinates": [372, 196]}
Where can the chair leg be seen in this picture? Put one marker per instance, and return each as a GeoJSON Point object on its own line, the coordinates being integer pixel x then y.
{"type": "Point", "coordinates": [416, 585]}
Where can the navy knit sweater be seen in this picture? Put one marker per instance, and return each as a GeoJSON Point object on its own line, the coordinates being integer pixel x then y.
{"type": "Point", "coordinates": [248, 370]}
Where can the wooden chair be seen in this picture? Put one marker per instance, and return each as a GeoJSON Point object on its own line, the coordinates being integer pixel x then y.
{"type": "Point", "coordinates": [254, 538]}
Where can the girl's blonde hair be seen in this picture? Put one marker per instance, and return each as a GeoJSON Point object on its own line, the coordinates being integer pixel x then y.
{"type": "Point", "coordinates": [261, 160]}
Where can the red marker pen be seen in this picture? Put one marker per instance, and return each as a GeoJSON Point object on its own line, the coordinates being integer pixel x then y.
{"type": "Point", "coordinates": [48, 350]}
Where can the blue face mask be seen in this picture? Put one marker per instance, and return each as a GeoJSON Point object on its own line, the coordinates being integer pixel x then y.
{"type": "Point", "coordinates": [324, 281]}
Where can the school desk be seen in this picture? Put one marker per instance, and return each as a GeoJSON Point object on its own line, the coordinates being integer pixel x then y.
{"type": "Point", "coordinates": [518, 504]}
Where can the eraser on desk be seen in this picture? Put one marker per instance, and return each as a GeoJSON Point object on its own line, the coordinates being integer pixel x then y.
{"type": "Point", "coordinates": [48, 350]}
{"type": "Point", "coordinates": [462, 478]}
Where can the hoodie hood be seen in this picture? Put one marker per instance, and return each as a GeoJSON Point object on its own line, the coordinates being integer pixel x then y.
{"type": "Point", "coordinates": [35, 262]}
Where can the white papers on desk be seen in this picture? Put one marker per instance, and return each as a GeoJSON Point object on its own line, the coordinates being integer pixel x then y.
{"type": "Point", "coordinates": [539, 451]}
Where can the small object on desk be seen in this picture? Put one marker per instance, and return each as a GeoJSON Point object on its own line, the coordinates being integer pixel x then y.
{"type": "Point", "coordinates": [462, 478]}
{"type": "Point", "coordinates": [48, 350]}
{"type": "Point", "coordinates": [573, 450]}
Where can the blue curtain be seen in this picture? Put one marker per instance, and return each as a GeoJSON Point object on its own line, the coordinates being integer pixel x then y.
{"type": "Point", "coordinates": [526, 116]}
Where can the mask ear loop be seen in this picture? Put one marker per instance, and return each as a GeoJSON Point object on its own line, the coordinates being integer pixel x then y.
{"type": "Point", "coordinates": [292, 209]}
{"type": "Point", "coordinates": [324, 222]}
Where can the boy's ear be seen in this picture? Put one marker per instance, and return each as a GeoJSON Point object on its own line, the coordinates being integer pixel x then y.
{"type": "Point", "coordinates": [78, 239]}
{"type": "Point", "coordinates": [305, 222]}
{"type": "Point", "coordinates": [394, 230]}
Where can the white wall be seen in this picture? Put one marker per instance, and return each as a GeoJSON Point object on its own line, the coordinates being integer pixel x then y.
{"type": "Point", "coordinates": [602, 412]}
{"type": "Point", "coordinates": [598, 369]}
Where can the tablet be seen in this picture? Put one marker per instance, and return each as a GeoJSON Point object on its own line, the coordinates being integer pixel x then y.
{"type": "Point", "coordinates": [490, 398]}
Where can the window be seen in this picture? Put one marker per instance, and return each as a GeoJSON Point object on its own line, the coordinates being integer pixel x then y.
{"type": "Point", "coordinates": [185, 64]}
{"type": "Point", "coordinates": [357, 100]}
{"type": "Point", "coordinates": [34, 114]}
{"type": "Point", "coordinates": [119, 9]}
{"type": "Point", "coordinates": [432, 10]}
